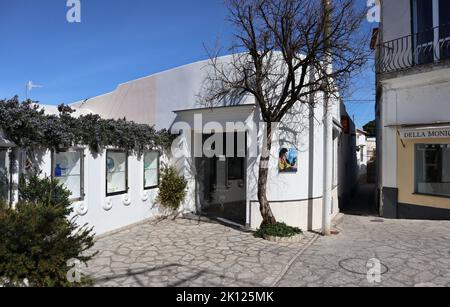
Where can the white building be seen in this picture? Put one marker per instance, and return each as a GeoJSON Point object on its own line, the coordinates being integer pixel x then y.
{"type": "Point", "coordinates": [113, 189]}
{"type": "Point", "coordinates": [365, 155]}
{"type": "Point", "coordinates": [413, 109]}
{"type": "Point", "coordinates": [362, 156]}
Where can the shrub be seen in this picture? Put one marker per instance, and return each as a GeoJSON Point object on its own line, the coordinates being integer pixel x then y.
{"type": "Point", "coordinates": [172, 190]}
{"type": "Point", "coordinates": [38, 238]}
{"type": "Point", "coordinates": [278, 230]}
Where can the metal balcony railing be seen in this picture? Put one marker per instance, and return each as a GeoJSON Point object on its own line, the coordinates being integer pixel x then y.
{"type": "Point", "coordinates": [432, 46]}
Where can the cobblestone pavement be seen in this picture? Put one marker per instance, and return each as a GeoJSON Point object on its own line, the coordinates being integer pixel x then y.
{"type": "Point", "coordinates": [415, 253]}
{"type": "Point", "coordinates": [189, 253]}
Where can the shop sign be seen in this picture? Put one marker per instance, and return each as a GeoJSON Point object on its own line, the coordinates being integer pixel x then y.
{"type": "Point", "coordinates": [426, 133]}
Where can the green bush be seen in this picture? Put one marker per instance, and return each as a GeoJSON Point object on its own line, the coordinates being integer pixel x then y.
{"type": "Point", "coordinates": [172, 190]}
{"type": "Point", "coordinates": [278, 230]}
{"type": "Point", "coordinates": [38, 238]}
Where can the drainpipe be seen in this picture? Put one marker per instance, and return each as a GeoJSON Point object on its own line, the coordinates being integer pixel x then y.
{"type": "Point", "coordinates": [328, 130]}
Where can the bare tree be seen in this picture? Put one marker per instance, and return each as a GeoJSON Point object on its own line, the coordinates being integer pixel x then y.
{"type": "Point", "coordinates": [278, 57]}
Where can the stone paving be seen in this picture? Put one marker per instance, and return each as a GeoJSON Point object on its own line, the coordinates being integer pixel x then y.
{"type": "Point", "coordinates": [189, 253]}
{"type": "Point", "coordinates": [416, 253]}
{"type": "Point", "coordinates": [199, 254]}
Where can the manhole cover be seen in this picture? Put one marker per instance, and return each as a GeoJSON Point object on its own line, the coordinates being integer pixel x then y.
{"type": "Point", "coordinates": [359, 266]}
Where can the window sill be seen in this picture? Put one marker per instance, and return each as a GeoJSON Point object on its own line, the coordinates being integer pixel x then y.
{"type": "Point", "coordinates": [151, 188]}
{"type": "Point", "coordinates": [432, 195]}
{"type": "Point", "coordinates": [116, 194]}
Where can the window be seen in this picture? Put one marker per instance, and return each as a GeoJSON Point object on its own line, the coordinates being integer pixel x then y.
{"type": "Point", "coordinates": [236, 168]}
{"type": "Point", "coordinates": [236, 155]}
{"type": "Point", "coordinates": [151, 170]}
{"type": "Point", "coordinates": [67, 168]}
{"type": "Point", "coordinates": [116, 172]}
{"type": "Point", "coordinates": [423, 27]}
{"type": "Point", "coordinates": [431, 20]}
{"type": "Point", "coordinates": [444, 12]}
{"type": "Point", "coordinates": [423, 15]}
{"type": "Point", "coordinates": [433, 169]}
{"type": "Point", "coordinates": [444, 31]}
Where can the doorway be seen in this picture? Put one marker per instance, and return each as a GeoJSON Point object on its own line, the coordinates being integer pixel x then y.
{"type": "Point", "coordinates": [222, 178]}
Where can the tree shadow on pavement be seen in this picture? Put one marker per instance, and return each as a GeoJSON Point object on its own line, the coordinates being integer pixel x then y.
{"type": "Point", "coordinates": [190, 276]}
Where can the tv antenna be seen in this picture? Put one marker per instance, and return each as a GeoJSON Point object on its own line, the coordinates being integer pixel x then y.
{"type": "Point", "coordinates": [29, 86]}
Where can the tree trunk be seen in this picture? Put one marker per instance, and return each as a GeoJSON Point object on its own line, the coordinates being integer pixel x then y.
{"type": "Point", "coordinates": [266, 211]}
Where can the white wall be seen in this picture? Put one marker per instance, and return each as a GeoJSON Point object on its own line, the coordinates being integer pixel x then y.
{"type": "Point", "coordinates": [408, 97]}
{"type": "Point", "coordinates": [294, 186]}
{"type": "Point", "coordinates": [153, 100]}
{"type": "Point", "coordinates": [295, 197]}
{"type": "Point", "coordinates": [95, 209]}
{"type": "Point", "coordinates": [421, 98]}
{"type": "Point", "coordinates": [304, 214]}
{"type": "Point", "coordinates": [121, 214]}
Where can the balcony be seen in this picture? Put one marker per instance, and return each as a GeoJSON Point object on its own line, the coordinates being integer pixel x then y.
{"type": "Point", "coordinates": [417, 50]}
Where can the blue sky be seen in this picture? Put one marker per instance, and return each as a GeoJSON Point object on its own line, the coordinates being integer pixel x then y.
{"type": "Point", "coordinates": [117, 41]}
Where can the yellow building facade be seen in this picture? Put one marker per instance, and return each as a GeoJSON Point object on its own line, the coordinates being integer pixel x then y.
{"type": "Point", "coordinates": [423, 173]}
